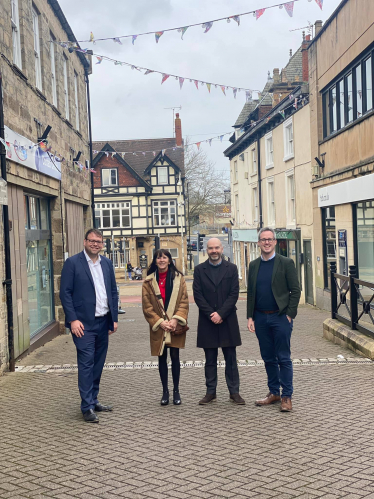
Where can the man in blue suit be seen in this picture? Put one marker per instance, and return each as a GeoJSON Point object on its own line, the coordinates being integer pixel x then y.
{"type": "Point", "coordinates": [89, 297]}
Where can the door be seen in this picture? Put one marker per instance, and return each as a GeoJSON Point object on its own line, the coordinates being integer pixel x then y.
{"type": "Point", "coordinates": [308, 272]}
{"type": "Point", "coordinates": [74, 227]}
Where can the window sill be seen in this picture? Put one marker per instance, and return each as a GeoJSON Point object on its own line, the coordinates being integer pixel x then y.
{"type": "Point", "coordinates": [288, 157]}
{"type": "Point", "coordinates": [19, 72]}
{"type": "Point", "coordinates": [253, 174]}
{"type": "Point", "coordinates": [271, 165]}
{"type": "Point", "coordinates": [40, 94]}
{"type": "Point", "coordinates": [68, 123]}
{"type": "Point", "coordinates": [56, 110]}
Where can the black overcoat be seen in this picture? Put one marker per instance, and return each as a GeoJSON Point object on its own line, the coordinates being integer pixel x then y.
{"type": "Point", "coordinates": [220, 298]}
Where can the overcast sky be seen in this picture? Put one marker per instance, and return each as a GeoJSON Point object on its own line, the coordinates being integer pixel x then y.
{"type": "Point", "coordinates": [129, 105]}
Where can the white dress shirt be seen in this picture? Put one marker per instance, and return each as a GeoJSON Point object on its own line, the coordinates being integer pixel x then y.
{"type": "Point", "coordinates": [102, 307]}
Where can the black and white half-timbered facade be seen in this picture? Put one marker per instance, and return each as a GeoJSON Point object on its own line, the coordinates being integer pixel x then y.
{"type": "Point", "coordinates": [139, 195]}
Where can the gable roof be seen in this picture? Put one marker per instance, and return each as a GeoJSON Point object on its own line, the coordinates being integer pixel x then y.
{"type": "Point", "coordinates": [294, 67]}
{"type": "Point", "coordinates": [140, 162]}
{"type": "Point", "coordinates": [263, 100]}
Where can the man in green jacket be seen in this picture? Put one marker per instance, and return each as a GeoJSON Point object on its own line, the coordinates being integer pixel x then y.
{"type": "Point", "coordinates": [272, 300]}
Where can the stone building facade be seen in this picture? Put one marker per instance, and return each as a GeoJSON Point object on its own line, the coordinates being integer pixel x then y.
{"type": "Point", "coordinates": [49, 193]}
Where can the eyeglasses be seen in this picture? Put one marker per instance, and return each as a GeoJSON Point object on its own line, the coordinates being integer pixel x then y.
{"type": "Point", "coordinates": [263, 241]}
{"type": "Point", "coordinates": [94, 241]}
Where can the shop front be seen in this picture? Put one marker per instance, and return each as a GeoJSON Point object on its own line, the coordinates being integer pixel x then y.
{"type": "Point", "coordinates": [245, 249]}
{"type": "Point", "coordinates": [288, 244]}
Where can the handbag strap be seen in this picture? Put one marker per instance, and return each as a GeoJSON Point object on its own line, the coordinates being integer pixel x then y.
{"type": "Point", "coordinates": [160, 304]}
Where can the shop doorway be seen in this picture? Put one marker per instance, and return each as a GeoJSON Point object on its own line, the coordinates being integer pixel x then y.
{"type": "Point", "coordinates": [308, 272]}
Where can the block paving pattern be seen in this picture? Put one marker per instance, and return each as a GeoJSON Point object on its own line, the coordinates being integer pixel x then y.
{"type": "Point", "coordinates": [323, 449]}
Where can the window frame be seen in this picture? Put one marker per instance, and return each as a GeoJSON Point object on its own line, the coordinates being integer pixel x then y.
{"type": "Point", "coordinates": [159, 168]}
{"type": "Point", "coordinates": [110, 177]}
{"type": "Point", "coordinates": [271, 201]}
{"type": "Point", "coordinates": [269, 151]}
{"type": "Point", "coordinates": [76, 100]}
{"type": "Point", "coordinates": [16, 35]}
{"type": "Point", "coordinates": [157, 204]}
{"type": "Point", "coordinates": [289, 151]}
{"type": "Point", "coordinates": [66, 86]}
{"type": "Point", "coordinates": [254, 161]}
{"type": "Point", "coordinates": [112, 206]}
{"type": "Point", "coordinates": [37, 56]}
{"type": "Point", "coordinates": [53, 69]}
{"type": "Point", "coordinates": [291, 202]}
{"type": "Point", "coordinates": [255, 212]}
{"type": "Point", "coordinates": [236, 171]}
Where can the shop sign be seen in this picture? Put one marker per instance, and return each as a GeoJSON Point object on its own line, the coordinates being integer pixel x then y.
{"type": "Point", "coordinates": [3, 191]}
{"type": "Point", "coordinates": [245, 235]}
{"type": "Point", "coordinates": [349, 191]}
{"type": "Point", "coordinates": [24, 152]}
{"type": "Point", "coordinates": [286, 234]}
{"type": "Point", "coordinates": [143, 259]}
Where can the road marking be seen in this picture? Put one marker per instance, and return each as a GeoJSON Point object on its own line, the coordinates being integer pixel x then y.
{"type": "Point", "coordinates": [188, 364]}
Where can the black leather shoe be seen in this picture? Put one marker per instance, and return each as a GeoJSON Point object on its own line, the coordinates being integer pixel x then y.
{"type": "Point", "coordinates": [90, 416]}
{"type": "Point", "coordinates": [165, 398]}
{"type": "Point", "coordinates": [103, 408]}
{"type": "Point", "coordinates": [176, 398]}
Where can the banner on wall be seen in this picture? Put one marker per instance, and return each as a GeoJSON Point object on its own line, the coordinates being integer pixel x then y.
{"type": "Point", "coordinates": [27, 153]}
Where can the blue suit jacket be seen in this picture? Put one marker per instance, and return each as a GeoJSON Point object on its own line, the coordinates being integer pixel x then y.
{"type": "Point", "coordinates": [77, 291]}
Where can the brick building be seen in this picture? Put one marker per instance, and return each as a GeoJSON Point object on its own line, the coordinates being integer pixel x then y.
{"type": "Point", "coordinates": [48, 199]}
{"type": "Point", "coordinates": [139, 194]}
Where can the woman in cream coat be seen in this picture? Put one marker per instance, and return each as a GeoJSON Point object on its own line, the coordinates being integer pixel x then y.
{"type": "Point", "coordinates": [165, 286]}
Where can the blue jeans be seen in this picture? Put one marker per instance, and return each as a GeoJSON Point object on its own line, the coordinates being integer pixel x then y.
{"type": "Point", "coordinates": [91, 353]}
{"type": "Point", "coordinates": [273, 332]}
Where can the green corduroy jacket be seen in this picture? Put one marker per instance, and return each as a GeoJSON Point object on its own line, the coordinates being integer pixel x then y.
{"type": "Point", "coordinates": [284, 284]}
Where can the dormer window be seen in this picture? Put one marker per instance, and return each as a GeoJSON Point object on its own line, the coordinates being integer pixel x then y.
{"type": "Point", "coordinates": [162, 175]}
{"type": "Point", "coordinates": [109, 176]}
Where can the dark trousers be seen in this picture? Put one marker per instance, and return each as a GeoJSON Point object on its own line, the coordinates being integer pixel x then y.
{"type": "Point", "coordinates": [91, 353]}
{"type": "Point", "coordinates": [231, 370]}
{"type": "Point", "coordinates": [175, 367]}
{"type": "Point", "coordinates": [273, 332]}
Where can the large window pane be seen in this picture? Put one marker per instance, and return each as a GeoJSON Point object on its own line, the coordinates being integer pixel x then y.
{"type": "Point", "coordinates": [358, 91]}
{"type": "Point", "coordinates": [341, 103]}
{"type": "Point", "coordinates": [369, 84]}
{"type": "Point", "coordinates": [334, 115]}
{"type": "Point", "coordinates": [329, 235]}
{"type": "Point", "coordinates": [365, 240]}
{"type": "Point", "coordinates": [349, 97]}
{"type": "Point", "coordinates": [44, 223]}
{"type": "Point", "coordinates": [116, 218]}
{"type": "Point", "coordinates": [33, 208]}
{"type": "Point", "coordinates": [106, 218]}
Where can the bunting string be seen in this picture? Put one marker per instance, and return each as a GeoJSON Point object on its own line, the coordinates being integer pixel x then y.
{"type": "Point", "coordinates": [206, 25]}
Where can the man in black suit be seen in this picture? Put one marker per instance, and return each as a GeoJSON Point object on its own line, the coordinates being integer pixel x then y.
{"type": "Point", "coordinates": [88, 294]}
{"type": "Point", "coordinates": [216, 291]}
{"type": "Point", "coordinates": [273, 296]}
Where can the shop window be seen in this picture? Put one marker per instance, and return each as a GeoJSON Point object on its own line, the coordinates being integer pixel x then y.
{"type": "Point", "coordinates": [329, 242]}
{"type": "Point", "coordinates": [365, 240]}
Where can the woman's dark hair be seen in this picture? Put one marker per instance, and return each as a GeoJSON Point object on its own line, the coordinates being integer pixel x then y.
{"type": "Point", "coordinates": [153, 267]}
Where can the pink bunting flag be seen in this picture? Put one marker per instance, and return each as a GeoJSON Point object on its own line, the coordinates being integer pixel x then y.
{"type": "Point", "coordinates": [143, 153]}
{"type": "Point", "coordinates": [99, 59]}
{"type": "Point", "coordinates": [134, 37]}
{"type": "Point", "coordinates": [289, 8]}
{"type": "Point", "coordinates": [149, 71]}
{"type": "Point", "coordinates": [92, 170]}
{"type": "Point", "coordinates": [295, 104]}
{"type": "Point", "coordinates": [181, 81]}
{"type": "Point", "coordinates": [164, 78]}
{"type": "Point", "coordinates": [223, 88]}
{"type": "Point", "coordinates": [320, 3]}
{"type": "Point", "coordinates": [207, 26]}
{"type": "Point", "coordinates": [198, 145]}
{"type": "Point", "coordinates": [208, 85]}
{"type": "Point", "coordinates": [236, 19]}
{"type": "Point", "coordinates": [259, 13]}
{"type": "Point", "coordinates": [158, 35]}
{"type": "Point", "coordinates": [234, 92]}
{"type": "Point", "coordinates": [197, 84]}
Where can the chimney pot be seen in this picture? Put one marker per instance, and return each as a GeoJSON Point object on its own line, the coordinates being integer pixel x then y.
{"type": "Point", "coordinates": [307, 38]}
{"type": "Point", "coordinates": [290, 53]}
{"type": "Point", "coordinates": [303, 35]}
{"type": "Point", "coordinates": [178, 130]}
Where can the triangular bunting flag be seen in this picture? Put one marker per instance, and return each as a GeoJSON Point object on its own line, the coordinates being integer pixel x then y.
{"type": "Point", "coordinates": [295, 104]}
{"type": "Point", "coordinates": [210, 141]}
{"type": "Point", "coordinates": [248, 96]}
{"type": "Point", "coordinates": [289, 8]}
{"type": "Point", "coordinates": [207, 26]}
{"type": "Point", "coordinates": [164, 78]}
{"type": "Point", "coordinates": [163, 151]}
{"type": "Point", "coordinates": [107, 154]}
{"type": "Point", "coordinates": [237, 19]}
{"type": "Point", "coordinates": [158, 35]}
{"type": "Point", "coordinates": [117, 40]}
{"type": "Point", "coordinates": [208, 85]}
{"type": "Point", "coordinates": [259, 13]}
{"type": "Point", "coordinates": [234, 92]}
{"type": "Point", "coordinates": [134, 37]}
{"type": "Point", "coordinates": [198, 145]}
{"type": "Point", "coordinates": [99, 59]}
{"type": "Point", "coordinates": [221, 137]}
{"type": "Point", "coordinates": [183, 30]}
{"type": "Point", "coordinates": [149, 71]}
{"type": "Point", "coordinates": [197, 84]}
{"type": "Point", "coordinates": [143, 153]}
{"type": "Point", "coordinates": [92, 38]}
{"type": "Point", "coordinates": [283, 114]}
{"type": "Point", "coordinates": [223, 88]}
{"type": "Point", "coordinates": [112, 153]}
{"type": "Point", "coordinates": [154, 153]}
{"type": "Point", "coordinates": [92, 170]}
{"type": "Point", "coordinates": [319, 3]}
{"type": "Point", "coordinates": [181, 80]}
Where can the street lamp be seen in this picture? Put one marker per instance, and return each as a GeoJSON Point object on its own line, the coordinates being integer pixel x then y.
{"type": "Point", "coordinates": [180, 205]}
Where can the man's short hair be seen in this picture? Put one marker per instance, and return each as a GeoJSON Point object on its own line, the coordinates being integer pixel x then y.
{"type": "Point", "coordinates": [97, 233]}
{"type": "Point", "coordinates": [266, 229]}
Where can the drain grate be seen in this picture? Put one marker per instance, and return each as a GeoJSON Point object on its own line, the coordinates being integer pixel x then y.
{"type": "Point", "coordinates": [114, 366]}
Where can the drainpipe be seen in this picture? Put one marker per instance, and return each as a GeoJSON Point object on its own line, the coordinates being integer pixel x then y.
{"type": "Point", "coordinates": [90, 144]}
{"type": "Point", "coordinates": [8, 273]}
{"type": "Point", "coordinates": [259, 183]}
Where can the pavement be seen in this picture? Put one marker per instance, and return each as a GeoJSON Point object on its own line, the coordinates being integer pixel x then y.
{"type": "Point", "coordinates": [324, 448]}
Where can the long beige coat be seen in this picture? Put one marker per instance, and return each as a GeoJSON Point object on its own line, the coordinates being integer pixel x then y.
{"type": "Point", "coordinates": [177, 309]}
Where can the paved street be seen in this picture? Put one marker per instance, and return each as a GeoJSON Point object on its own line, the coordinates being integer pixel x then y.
{"type": "Point", "coordinates": [142, 450]}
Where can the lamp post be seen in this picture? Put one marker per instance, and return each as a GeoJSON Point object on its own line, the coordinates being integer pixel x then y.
{"type": "Point", "coordinates": [180, 205]}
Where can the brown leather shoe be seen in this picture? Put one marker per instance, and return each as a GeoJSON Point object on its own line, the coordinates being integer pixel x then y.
{"type": "Point", "coordinates": [209, 397]}
{"type": "Point", "coordinates": [237, 399]}
{"type": "Point", "coordinates": [268, 400]}
{"type": "Point", "coordinates": [286, 404]}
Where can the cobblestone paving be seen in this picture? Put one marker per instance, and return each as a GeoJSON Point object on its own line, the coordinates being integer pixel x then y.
{"type": "Point", "coordinates": [323, 448]}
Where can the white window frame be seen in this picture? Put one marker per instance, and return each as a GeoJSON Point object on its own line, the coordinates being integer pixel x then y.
{"type": "Point", "coordinates": [164, 169]}
{"type": "Point", "coordinates": [235, 171]}
{"type": "Point", "coordinates": [237, 212]}
{"type": "Point", "coordinates": [38, 63]}
{"type": "Point", "coordinates": [271, 201]}
{"type": "Point", "coordinates": [253, 161]}
{"type": "Point", "coordinates": [16, 36]}
{"type": "Point", "coordinates": [53, 70]}
{"type": "Point", "coordinates": [124, 209]}
{"type": "Point", "coordinates": [76, 100]}
{"type": "Point", "coordinates": [66, 86]}
{"type": "Point", "coordinates": [173, 249]}
{"type": "Point", "coordinates": [109, 179]}
{"type": "Point", "coordinates": [288, 140]}
{"type": "Point", "coordinates": [170, 204]}
{"type": "Point", "coordinates": [238, 260]}
{"type": "Point", "coordinates": [269, 150]}
{"type": "Point", "coordinates": [291, 198]}
{"type": "Point", "coordinates": [255, 204]}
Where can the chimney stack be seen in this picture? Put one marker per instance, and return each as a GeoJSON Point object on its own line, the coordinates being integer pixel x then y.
{"type": "Point", "coordinates": [276, 76]}
{"type": "Point", "coordinates": [178, 130]}
{"type": "Point", "coordinates": [317, 27]}
{"type": "Point", "coordinates": [290, 53]}
{"type": "Point", "coordinates": [304, 56]}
